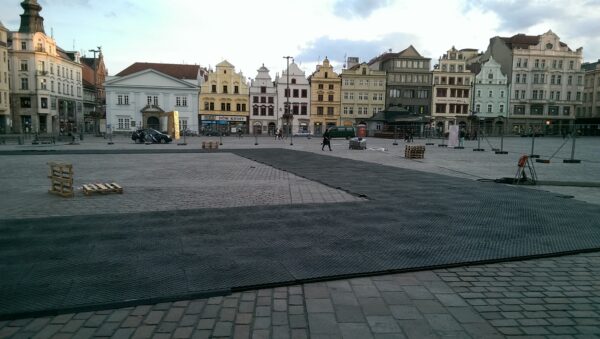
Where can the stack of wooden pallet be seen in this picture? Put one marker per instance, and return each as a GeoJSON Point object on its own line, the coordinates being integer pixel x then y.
{"type": "Point", "coordinates": [210, 145]}
{"type": "Point", "coordinates": [414, 152]}
{"type": "Point", "coordinates": [61, 179]}
{"type": "Point", "coordinates": [102, 188]}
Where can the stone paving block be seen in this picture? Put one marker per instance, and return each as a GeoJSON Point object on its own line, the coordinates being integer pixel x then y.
{"type": "Point", "coordinates": [465, 315]}
{"type": "Point", "coordinates": [263, 301]}
{"type": "Point", "coordinates": [154, 317]}
{"type": "Point", "coordinates": [206, 324]}
{"type": "Point", "coordinates": [223, 329]}
{"type": "Point", "coordinates": [132, 321]}
{"type": "Point", "coordinates": [296, 309]}
{"type": "Point", "coordinates": [322, 323]}
{"type": "Point", "coordinates": [297, 321]}
{"type": "Point", "coordinates": [319, 306]}
{"type": "Point", "coordinates": [374, 306]}
{"type": "Point", "coordinates": [339, 286]}
{"type": "Point", "coordinates": [299, 334]}
{"type": "Point", "coordinates": [189, 320]}
{"type": "Point", "coordinates": [261, 334]}
{"type": "Point", "coordinates": [107, 329]}
{"type": "Point", "coordinates": [263, 311]}
{"type": "Point", "coordinates": [295, 290]}
{"type": "Point", "coordinates": [396, 298]}
{"type": "Point", "coordinates": [166, 327]}
{"type": "Point", "coordinates": [214, 300]}
{"type": "Point", "coordinates": [144, 332]}
{"type": "Point", "coordinates": [62, 319]}
{"type": "Point", "coordinates": [355, 331]}
{"type": "Point", "coordinates": [123, 333]}
{"type": "Point", "coordinates": [295, 299]}
{"type": "Point", "coordinates": [443, 322]}
{"type": "Point", "coordinates": [227, 314]}
{"type": "Point", "coordinates": [281, 332]}
{"type": "Point", "coordinates": [246, 307]}
{"type": "Point", "coordinates": [429, 306]}
{"type": "Point", "coordinates": [417, 292]}
{"type": "Point", "coordinates": [174, 314]}
{"type": "Point", "coordinates": [241, 332]}
{"type": "Point", "coordinates": [534, 330]}
{"type": "Point", "coordinates": [266, 292]}
{"type": "Point", "coordinates": [405, 312]}
{"type": "Point", "coordinates": [451, 300]}
{"type": "Point", "coordinates": [141, 310]}
{"type": "Point", "coordinates": [162, 306]}
{"type": "Point", "coordinates": [94, 321]}
{"type": "Point", "coordinates": [244, 318]}
{"type": "Point", "coordinates": [279, 318]}
{"type": "Point", "coordinates": [315, 291]}
{"type": "Point", "coordinates": [248, 296]}
{"type": "Point", "coordinates": [72, 326]}
{"type": "Point", "coordinates": [262, 322]}
{"type": "Point", "coordinates": [417, 329]}
{"type": "Point", "coordinates": [388, 286]}
{"type": "Point", "coordinates": [280, 305]}
{"type": "Point", "coordinates": [383, 324]}
{"type": "Point", "coordinates": [118, 316]}
{"type": "Point", "coordinates": [210, 311]}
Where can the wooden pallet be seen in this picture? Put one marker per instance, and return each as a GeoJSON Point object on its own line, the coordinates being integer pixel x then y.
{"type": "Point", "coordinates": [61, 179]}
{"type": "Point", "coordinates": [414, 152]}
{"type": "Point", "coordinates": [102, 188]}
{"type": "Point", "coordinates": [210, 145]}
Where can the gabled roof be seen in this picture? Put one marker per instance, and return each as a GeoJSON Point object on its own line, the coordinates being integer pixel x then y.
{"type": "Point", "coordinates": [225, 63]}
{"type": "Point", "coordinates": [179, 71]}
{"type": "Point", "coordinates": [524, 41]}
{"type": "Point", "coordinates": [126, 80]}
{"type": "Point", "coordinates": [87, 61]}
{"type": "Point", "coordinates": [410, 52]}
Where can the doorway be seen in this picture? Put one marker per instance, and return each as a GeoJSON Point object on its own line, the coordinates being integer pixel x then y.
{"type": "Point", "coordinates": [154, 123]}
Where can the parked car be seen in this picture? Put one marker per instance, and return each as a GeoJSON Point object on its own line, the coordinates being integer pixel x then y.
{"type": "Point", "coordinates": [150, 135]}
{"type": "Point", "coordinates": [303, 134]}
{"type": "Point", "coordinates": [342, 132]}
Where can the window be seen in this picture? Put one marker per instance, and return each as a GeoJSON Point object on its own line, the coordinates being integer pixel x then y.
{"type": "Point", "coordinates": [303, 110]}
{"type": "Point", "coordinates": [255, 110]}
{"type": "Point", "coordinates": [331, 86]}
{"type": "Point", "coordinates": [519, 109]}
{"type": "Point", "coordinates": [320, 97]}
{"type": "Point", "coordinates": [320, 86]}
{"type": "Point", "coordinates": [224, 88]}
{"type": "Point", "coordinates": [501, 108]}
{"type": "Point", "coordinates": [255, 99]}
{"type": "Point", "coordinates": [490, 94]}
{"type": "Point", "coordinates": [23, 45]}
{"type": "Point", "coordinates": [304, 93]}
{"type": "Point", "coordinates": [24, 83]}
{"type": "Point", "coordinates": [568, 96]}
{"type": "Point", "coordinates": [214, 88]}
{"type": "Point", "coordinates": [286, 93]}
{"type": "Point", "coordinates": [177, 101]}
{"type": "Point", "coordinates": [560, 64]}
{"type": "Point", "coordinates": [329, 110]}
{"type": "Point", "coordinates": [271, 111]}
{"type": "Point", "coordinates": [525, 61]}
{"type": "Point", "coordinates": [518, 78]}
{"type": "Point", "coordinates": [43, 84]}
{"type": "Point", "coordinates": [52, 86]}
{"type": "Point", "coordinates": [270, 100]}
{"type": "Point", "coordinates": [263, 100]}
{"type": "Point", "coordinates": [44, 103]}
{"type": "Point", "coordinates": [25, 102]}
{"type": "Point", "coordinates": [524, 78]}
{"type": "Point", "coordinates": [489, 108]}
{"type": "Point", "coordinates": [24, 65]}
{"type": "Point", "coordinates": [571, 64]}
{"type": "Point", "coordinates": [183, 124]}
{"type": "Point", "coordinates": [236, 89]}
{"type": "Point", "coordinates": [502, 94]}
{"type": "Point", "coordinates": [330, 97]}
{"type": "Point", "coordinates": [123, 123]}
{"type": "Point", "coordinates": [478, 93]}
{"type": "Point", "coordinates": [320, 110]}
{"type": "Point", "coordinates": [566, 110]}
{"type": "Point", "coordinates": [296, 93]}
{"type": "Point", "coordinates": [558, 79]}
{"type": "Point", "coordinates": [293, 81]}
{"type": "Point", "coordinates": [263, 111]}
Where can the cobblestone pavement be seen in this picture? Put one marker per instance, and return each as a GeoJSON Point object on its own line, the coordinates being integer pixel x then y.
{"type": "Point", "coordinates": [205, 180]}
{"type": "Point", "coordinates": [544, 298]}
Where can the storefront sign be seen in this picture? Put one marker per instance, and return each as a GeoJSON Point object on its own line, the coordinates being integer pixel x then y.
{"type": "Point", "coordinates": [222, 118]}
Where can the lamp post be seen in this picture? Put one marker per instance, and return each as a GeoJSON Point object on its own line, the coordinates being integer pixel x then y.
{"type": "Point", "coordinates": [96, 113]}
{"type": "Point", "coordinates": [287, 115]}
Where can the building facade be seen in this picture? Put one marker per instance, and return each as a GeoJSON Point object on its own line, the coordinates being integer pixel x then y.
{"type": "Point", "coordinates": [545, 81]}
{"type": "Point", "coordinates": [224, 105]}
{"type": "Point", "coordinates": [453, 86]}
{"type": "Point", "coordinates": [263, 98]}
{"type": "Point", "coordinates": [298, 96]}
{"type": "Point", "coordinates": [94, 75]}
{"type": "Point", "coordinates": [589, 113]}
{"type": "Point", "coordinates": [491, 99]}
{"type": "Point", "coordinates": [47, 89]}
{"type": "Point", "coordinates": [325, 101]}
{"type": "Point", "coordinates": [363, 93]}
{"type": "Point", "coordinates": [144, 94]}
{"type": "Point", "coordinates": [5, 115]}
{"type": "Point", "coordinates": [408, 80]}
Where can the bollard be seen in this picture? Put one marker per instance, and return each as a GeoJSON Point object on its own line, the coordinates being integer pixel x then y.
{"type": "Point", "coordinates": [255, 140]}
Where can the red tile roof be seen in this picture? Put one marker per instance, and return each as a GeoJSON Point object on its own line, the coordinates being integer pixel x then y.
{"type": "Point", "coordinates": [178, 71]}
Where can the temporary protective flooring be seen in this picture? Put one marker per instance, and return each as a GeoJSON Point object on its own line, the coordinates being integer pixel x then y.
{"type": "Point", "coordinates": [410, 220]}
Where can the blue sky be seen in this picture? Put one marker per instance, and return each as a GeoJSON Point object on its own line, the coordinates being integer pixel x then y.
{"type": "Point", "coordinates": [250, 33]}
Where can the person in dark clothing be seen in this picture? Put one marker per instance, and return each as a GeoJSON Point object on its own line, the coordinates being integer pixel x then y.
{"type": "Point", "coordinates": [326, 140]}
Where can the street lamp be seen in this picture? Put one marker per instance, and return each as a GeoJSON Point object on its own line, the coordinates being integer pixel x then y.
{"type": "Point", "coordinates": [287, 115]}
{"type": "Point", "coordinates": [97, 114]}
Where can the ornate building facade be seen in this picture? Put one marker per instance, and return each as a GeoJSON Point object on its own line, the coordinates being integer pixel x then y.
{"type": "Point", "coordinates": [298, 97]}
{"type": "Point", "coordinates": [491, 97]}
{"type": "Point", "coordinates": [263, 101]}
{"type": "Point", "coordinates": [589, 112]}
{"type": "Point", "coordinates": [47, 88]}
{"type": "Point", "coordinates": [224, 105]}
{"type": "Point", "coordinates": [546, 81]}
{"type": "Point", "coordinates": [5, 116]}
{"type": "Point", "coordinates": [453, 86]}
{"type": "Point", "coordinates": [325, 102]}
{"type": "Point", "coordinates": [363, 92]}
{"type": "Point", "coordinates": [143, 94]}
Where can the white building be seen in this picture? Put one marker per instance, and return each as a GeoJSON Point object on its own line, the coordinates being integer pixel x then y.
{"type": "Point", "coordinates": [491, 96]}
{"type": "Point", "coordinates": [299, 98]}
{"type": "Point", "coordinates": [263, 103]}
{"type": "Point", "coordinates": [46, 81]}
{"type": "Point", "coordinates": [142, 94]}
{"type": "Point", "coordinates": [5, 119]}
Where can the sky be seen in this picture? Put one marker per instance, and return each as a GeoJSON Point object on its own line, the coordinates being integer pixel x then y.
{"type": "Point", "coordinates": [249, 34]}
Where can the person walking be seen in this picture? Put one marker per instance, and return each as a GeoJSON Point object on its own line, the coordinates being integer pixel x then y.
{"type": "Point", "coordinates": [326, 140]}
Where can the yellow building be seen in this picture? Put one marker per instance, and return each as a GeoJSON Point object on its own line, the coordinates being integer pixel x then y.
{"type": "Point", "coordinates": [325, 103]}
{"type": "Point", "coordinates": [224, 99]}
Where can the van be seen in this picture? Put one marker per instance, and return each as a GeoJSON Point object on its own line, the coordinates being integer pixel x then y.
{"type": "Point", "coordinates": [342, 132]}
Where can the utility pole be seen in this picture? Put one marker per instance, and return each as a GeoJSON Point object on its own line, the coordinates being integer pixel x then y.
{"type": "Point", "coordinates": [287, 112]}
{"type": "Point", "coordinates": [96, 113]}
